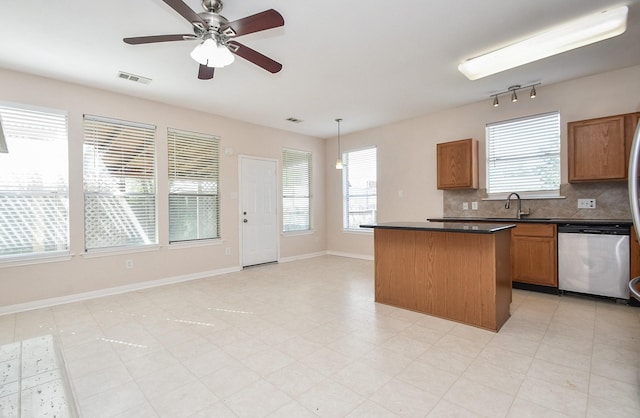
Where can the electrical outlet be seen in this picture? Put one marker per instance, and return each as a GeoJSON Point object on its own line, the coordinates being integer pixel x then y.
{"type": "Point", "coordinates": [586, 203]}
{"type": "Point", "coordinates": [227, 251]}
{"type": "Point", "coordinates": [128, 263]}
{"type": "Point", "coordinates": [465, 205]}
{"type": "Point", "coordinates": [474, 205]}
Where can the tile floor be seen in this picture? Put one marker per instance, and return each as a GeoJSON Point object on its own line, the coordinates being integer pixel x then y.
{"type": "Point", "coordinates": [305, 339]}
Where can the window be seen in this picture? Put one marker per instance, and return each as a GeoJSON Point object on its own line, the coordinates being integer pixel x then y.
{"type": "Point", "coordinates": [34, 182]}
{"type": "Point", "coordinates": [296, 190]}
{"type": "Point", "coordinates": [119, 183]}
{"type": "Point", "coordinates": [523, 155]}
{"type": "Point", "coordinates": [194, 195]}
{"type": "Point", "coordinates": [359, 179]}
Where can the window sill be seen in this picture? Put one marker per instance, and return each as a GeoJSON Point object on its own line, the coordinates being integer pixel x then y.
{"type": "Point", "coordinates": [107, 252]}
{"type": "Point", "coordinates": [195, 243]}
{"type": "Point", "coordinates": [25, 260]}
{"type": "Point", "coordinates": [300, 232]}
{"type": "Point", "coordinates": [532, 196]}
{"type": "Point", "coordinates": [363, 231]}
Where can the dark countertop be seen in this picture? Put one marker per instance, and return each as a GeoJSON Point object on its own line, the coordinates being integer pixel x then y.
{"type": "Point", "coordinates": [558, 221]}
{"type": "Point", "coordinates": [456, 226]}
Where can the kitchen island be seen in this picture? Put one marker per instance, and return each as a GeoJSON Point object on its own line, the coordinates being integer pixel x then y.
{"type": "Point", "coordinates": [456, 271]}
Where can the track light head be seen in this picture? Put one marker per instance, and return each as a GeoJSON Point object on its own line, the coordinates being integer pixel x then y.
{"type": "Point", "coordinates": [496, 103]}
{"type": "Point", "coordinates": [533, 92]}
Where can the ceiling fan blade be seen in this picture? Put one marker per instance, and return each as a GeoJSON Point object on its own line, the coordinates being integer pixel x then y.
{"type": "Point", "coordinates": [255, 57]}
{"type": "Point", "coordinates": [188, 13]}
{"type": "Point", "coordinates": [158, 38]}
{"type": "Point", "coordinates": [254, 23]}
{"type": "Point", "coordinates": [205, 73]}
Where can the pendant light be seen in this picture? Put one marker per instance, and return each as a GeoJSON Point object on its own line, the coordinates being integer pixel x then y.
{"type": "Point", "coordinates": [339, 160]}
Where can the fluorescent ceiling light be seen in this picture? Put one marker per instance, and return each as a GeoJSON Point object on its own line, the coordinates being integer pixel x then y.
{"type": "Point", "coordinates": [562, 38]}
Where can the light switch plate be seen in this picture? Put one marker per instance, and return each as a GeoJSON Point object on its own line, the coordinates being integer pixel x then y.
{"type": "Point", "coordinates": [474, 205]}
{"type": "Point", "coordinates": [465, 205]}
{"type": "Point", "coordinates": [586, 203]}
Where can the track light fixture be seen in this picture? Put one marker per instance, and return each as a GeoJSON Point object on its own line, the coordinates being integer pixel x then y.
{"type": "Point", "coordinates": [514, 93]}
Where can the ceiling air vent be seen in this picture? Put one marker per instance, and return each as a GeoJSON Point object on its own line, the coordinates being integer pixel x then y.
{"type": "Point", "coordinates": [294, 120]}
{"type": "Point", "coordinates": [133, 77]}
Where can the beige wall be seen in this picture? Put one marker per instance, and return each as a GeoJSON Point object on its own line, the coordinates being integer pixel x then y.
{"type": "Point", "coordinates": [406, 175]}
{"type": "Point", "coordinates": [29, 283]}
{"type": "Point", "coordinates": [406, 150]}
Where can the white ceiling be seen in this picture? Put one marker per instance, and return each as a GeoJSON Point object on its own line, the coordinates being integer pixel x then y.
{"type": "Point", "coordinates": [370, 62]}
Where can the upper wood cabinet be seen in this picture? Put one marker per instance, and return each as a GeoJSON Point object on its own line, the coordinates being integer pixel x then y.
{"type": "Point", "coordinates": [458, 164]}
{"type": "Point", "coordinates": [598, 149]}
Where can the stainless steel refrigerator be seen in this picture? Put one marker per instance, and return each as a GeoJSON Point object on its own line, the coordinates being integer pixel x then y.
{"type": "Point", "coordinates": [634, 163]}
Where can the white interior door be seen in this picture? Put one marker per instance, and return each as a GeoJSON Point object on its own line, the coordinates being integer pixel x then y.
{"type": "Point", "coordinates": [258, 211]}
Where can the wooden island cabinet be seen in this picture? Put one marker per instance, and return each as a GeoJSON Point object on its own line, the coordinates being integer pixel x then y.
{"type": "Point", "coordinates": [453, 271]}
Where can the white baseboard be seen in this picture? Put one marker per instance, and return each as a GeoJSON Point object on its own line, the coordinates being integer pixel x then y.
{"type": "Point", "coordinates": [351, 255]}
{"type": "Point", "coordinates": [78, 297]}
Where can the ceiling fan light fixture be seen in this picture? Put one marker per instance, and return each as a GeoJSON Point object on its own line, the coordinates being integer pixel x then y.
{"type": "Point", "coordinates": [212, 54]}
{"type": "Point", "coordinates": [565, 37]}
{"type": "Point", "coordinates": [221, 58]}
{"type": "Point", "coordinates": [204, 50]}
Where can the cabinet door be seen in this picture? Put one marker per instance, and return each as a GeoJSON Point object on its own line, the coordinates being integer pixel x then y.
{"type": "Point", "coordinates": [534, 257]}
{"type": "Point", "coordinates": [458, 164]}
{"type": "Point", "coordinates": [597, 149]}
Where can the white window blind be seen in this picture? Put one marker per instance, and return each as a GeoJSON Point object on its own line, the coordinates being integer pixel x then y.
{"type": "Point", "coordinates": [296, 190]}
{"type": "Point", "coordinates": [119, 183]}
{"type": "Point", "coordinates": [34, 178]}
{"type": "Point", "coordinates": [359, 188]}
{"type": "Point", "coordinates": [523, 155]}
{"type": "Point", "coordinates": [194, 196]}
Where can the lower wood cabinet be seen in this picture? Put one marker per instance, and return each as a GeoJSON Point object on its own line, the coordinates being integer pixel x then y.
{"type": "Point", "coordinates": [534, 255]}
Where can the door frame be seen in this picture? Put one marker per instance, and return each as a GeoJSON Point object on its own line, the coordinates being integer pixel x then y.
{"type": "Point", "coordinates": [241, 158]}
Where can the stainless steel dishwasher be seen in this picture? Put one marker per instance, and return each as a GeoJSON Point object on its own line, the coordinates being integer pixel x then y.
{"type": "Point", "coordinates": [594, 259]}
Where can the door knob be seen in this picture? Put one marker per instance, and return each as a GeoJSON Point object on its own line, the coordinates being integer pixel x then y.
{"type": "Point", "coordinates": [245, 221]}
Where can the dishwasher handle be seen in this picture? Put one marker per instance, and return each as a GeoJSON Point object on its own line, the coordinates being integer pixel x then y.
{"type": "Point", "coordinates": [593, 229]}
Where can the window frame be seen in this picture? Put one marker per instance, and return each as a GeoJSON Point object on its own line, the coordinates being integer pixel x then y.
{"type": "Point", "coordinates": [57, 125]}
{"type": "Point", "coordinates": [518, 187]}
{"type": "Point", "coordinates": [146, 134]}
{"type": "Point", "coordinates": [346, 227]}
{"type": "Point", "coordinates": [214, 158]}
{"type": "Point", "coordinates": [308, 196]}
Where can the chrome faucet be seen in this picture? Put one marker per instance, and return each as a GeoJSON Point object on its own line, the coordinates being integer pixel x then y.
{"type": "Point", "coordinates": [519, 212]}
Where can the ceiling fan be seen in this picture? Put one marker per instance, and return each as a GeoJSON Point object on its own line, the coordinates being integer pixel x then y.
{"type": "Point", "coordinates": [216, 34]}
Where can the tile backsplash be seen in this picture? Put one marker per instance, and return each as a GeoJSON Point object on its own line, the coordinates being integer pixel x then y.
{"type": "Point", "coordinates": [612, 202]}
